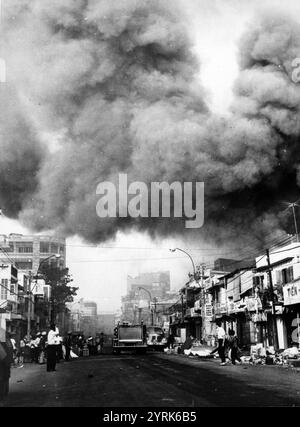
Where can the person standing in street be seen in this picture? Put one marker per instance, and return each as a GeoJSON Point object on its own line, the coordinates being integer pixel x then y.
{"type": "Point", "coordinates": [43, 339]}
{"type": "Point", "coordinates": [37, 349]}
{"type": "Point", "coordinates": [22, 351]}
{"type": "Point", "coordinates": [101, 342]}
{"type": "Point", "coordinates": [14, 348]}
{"type": "Point", "coordinates": [233, 345]}
{"type": "Point", "coordinates": [68, 345]}
{"type": "Point", "coordinates": [171, 341]}
{"type": "Point", "coordinates": [59, 349]}
{"type": "Point", "coordinates": [221, 335]}
{"type": "Point", "coordinates": [52, 348]}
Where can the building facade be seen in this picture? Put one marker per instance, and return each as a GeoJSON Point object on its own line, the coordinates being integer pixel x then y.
{"type": "Point", "coordinates": [23, 294]}
{"type": "Point", "coordinates": [27, 252]}
{"type": "Point", "coordinates": [148, 298]}
{"type": "Point", "coordinates": [260, 302]}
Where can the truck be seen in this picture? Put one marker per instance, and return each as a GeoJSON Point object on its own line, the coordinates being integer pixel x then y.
{"type": "Point", "coordinates": [156, 338]}
{"type": "Point", "coordinates": [129, 337]}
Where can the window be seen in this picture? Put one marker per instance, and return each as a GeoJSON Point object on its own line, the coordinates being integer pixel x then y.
{"type": "Point", "coordinates": [24, 247]}
{"type": "Point", "coordinates": [44, 247]}
{"type": "Point", "coordinates": [4, 288]}
{"type": "Point", "coordinates": [285, 275]}
{"type": "Point", "coordinates": [12, 289]}
{"type": "Point", "coordinates": [258, 282]}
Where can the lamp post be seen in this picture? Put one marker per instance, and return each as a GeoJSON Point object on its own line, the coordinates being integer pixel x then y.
{"type": "Point", "coordinates": [30, 292]}
{"type": "Point", "coordinates": [193, 264]}
{"type": "Point", "coordinates": [150, 300]}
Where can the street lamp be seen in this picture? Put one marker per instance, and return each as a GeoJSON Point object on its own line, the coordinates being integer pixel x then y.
{"type": "Point", "coordinates": [30, 292]}
{"type": "Point", "coordinates": [181, 250]}
{"type": "Point", "coordinates": [150, 300]}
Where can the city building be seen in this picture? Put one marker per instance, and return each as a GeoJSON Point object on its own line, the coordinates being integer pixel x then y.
{"type": "Point", "coordinates": [259, 301]}
{"type": "Point", "coordinates": [83, 317]}
{"type": "Point", "coordinates": [147, 299]}
{"type": "Point", "coordinates": [158, 284]}
{"type": "Point", "coordinates": [13, 300]}
{"type": "Point", "coordinates": [27, 295]}
{"type": "Point", "coordinates": [27, 252]}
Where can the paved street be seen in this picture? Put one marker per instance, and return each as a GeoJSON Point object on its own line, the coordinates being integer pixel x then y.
{"type": "Point", "coordinates": [153, 380]}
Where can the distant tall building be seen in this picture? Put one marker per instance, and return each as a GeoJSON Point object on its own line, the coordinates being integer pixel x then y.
{"type": "Point", "coordinates": [158, 284]}
{"type": "Point", "coordinates": [83, 317]}
{"type": "Point", "coordinates": [88, 308]}
{"type": "Point", "coordinates": [143, 292]}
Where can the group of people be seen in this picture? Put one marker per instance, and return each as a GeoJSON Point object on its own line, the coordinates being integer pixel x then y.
{"type": "Point", "coordinates": [47, 348]}
{"type": "Point", "coordinates": [30, 350]}
{"type": "Point", "coordinates": [72, 346]}
{"type": "Point", "coordinates": [225, 342]}
{"type": "Point", "coordinates": [90, 346]}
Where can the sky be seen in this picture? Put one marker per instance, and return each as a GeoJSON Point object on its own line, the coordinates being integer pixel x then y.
{"type": "Point", "coordinates": [101, 272]}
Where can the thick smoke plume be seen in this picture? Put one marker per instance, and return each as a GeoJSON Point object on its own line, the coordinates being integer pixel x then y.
{"type": "Point", "coordinates": [112, 87]}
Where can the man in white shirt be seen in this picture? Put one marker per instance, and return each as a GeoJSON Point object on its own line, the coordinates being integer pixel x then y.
{"type": "Point", "coordinates": [52, 348]}
{"type": "Point", "coordinates": [221, 334]}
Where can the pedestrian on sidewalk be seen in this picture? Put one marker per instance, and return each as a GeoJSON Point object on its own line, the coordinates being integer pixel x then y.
{"type": "Point", "coordinates": [221, 336]}
{"type": "Point", "coordinates": [42, 355]}
{"type": "Point", "coordinates": [234, 347]}
{"type": "Point", "coordinates": [52, 348]}
{"type": "Point", "coordinates": [59, 349]}
{"type": "Point", "coordinates": [171, 341]}
{"type": "Point", "coordinates": [37, 350]}
{"type": "Point", "coordinates": [14, 348]}
{"type": "Point", "coordinates": [68, 345]}
{"type": "Point", "coordinates": [22, 345]}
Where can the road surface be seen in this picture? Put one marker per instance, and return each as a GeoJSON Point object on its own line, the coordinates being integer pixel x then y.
{"type": "Point", "coordinates": [154, 379]}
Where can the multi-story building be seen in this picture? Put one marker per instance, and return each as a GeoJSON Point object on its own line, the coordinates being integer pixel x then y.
{"type": "Point", "coordinates": [260, 302]}
{"type": "Point", "coordinates": [158, 284]}
{"type": "Point", "coordinates": [144, 294]}
{"type": "Point", "coordinates": [83, 317]}
{"type": "Point", "coordinates": [27, 252]}
{"type": "Point", "coordinates": [13, 300]}
{"type": "Point", "coordinates": [25, 255]}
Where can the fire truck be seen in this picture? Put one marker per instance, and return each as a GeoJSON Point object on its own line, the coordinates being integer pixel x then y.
{"type": "Point", "coordinates": [129, 337]}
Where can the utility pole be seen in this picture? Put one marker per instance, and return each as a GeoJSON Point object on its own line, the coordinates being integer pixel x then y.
{"type": "Point", "coordinates": [293, 205]}
{"type": "Point", "coordinates": [182, 310]}
{"type": "Point", "coordinates": [29, 307]}
{"type": "Point", "coordinates": [202, 301]}
{"type": "Point", "coordinates": [295, 221]}
{"type": "Point", "coordinates": [275, 331]}
{"type": "Point", "coordinates": [155, 317]}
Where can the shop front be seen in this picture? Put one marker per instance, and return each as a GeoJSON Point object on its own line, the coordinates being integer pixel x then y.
{"type": "Point", "coordinates": [291, 295]}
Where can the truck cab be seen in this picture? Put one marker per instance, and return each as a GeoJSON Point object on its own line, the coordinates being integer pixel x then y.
{"type": "Point", "coordinates": [156, 338]}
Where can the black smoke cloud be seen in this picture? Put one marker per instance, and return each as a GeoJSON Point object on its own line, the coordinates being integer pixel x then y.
{"type": "Point", "coordinates": [116, 80]}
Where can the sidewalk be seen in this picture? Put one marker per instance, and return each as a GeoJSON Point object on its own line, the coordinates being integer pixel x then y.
{"type": "Point", "coordinates": [291, 363]}
{"type": "Point", "coordinates": [285, 378]}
